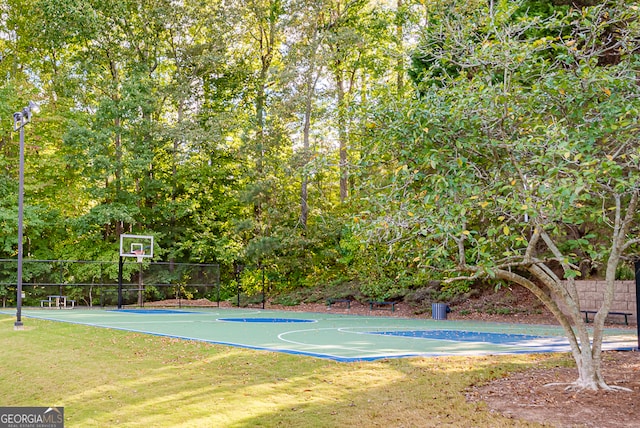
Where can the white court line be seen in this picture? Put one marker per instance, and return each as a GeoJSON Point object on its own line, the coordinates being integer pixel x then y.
{"type": "Point", "coordinates": [346, 331]}
{"type": "Point", "coordinates": [311, 345]}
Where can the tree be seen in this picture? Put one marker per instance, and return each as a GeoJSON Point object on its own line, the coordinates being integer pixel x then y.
{"type": "Point", "coordinates": [43, 219]}
{"type": "Point", "coordinates": [522, 166]}
{"type": "Point", "coordinates": [305, 56]}
{"type": "Point", "coordinates": [347, 47]}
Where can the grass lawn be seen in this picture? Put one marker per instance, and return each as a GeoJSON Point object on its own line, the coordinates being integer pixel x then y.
{"type": "Point", "coordinates": [113, 378]}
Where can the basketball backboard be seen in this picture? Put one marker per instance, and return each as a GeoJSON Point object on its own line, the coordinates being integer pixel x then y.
{"type": "Point", "coordinates": [138, 246]}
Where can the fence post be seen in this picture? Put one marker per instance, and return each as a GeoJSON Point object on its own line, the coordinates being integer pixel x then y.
{"type": "Point", "coordinates": [61, 280]}
{"type": "Point", "coordinates": [637, 266]}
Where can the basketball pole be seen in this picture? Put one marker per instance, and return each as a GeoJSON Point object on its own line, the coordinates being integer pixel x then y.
{"type": "Point", "coordinates": [120, 269]}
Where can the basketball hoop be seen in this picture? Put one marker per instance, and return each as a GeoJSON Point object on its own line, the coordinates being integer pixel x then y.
{"type": "Point", "coordinates": [139, 255]}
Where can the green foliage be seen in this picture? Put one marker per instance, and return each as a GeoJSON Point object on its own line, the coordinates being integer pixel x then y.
{"type": "Point", "coordinates": [286, 300]}
{"type": "Point", "coordinates": [500, 311]}
{"type": "Point", "coordinates": [442, 184]}
{"type": "Point", "coordinates": [625, 272]}
{"type": "Point", "coordinates": [283, 136]}
{"type": "Point", "coordinates": [380, 289]}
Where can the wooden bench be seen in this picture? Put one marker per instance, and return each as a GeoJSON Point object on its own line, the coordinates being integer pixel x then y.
{"type": "Point", "coordinates": [333, 301]}
{"type": "Point", "coordinates": [382, 305]}
{"type": "Point", "coordinates": [624, 314]}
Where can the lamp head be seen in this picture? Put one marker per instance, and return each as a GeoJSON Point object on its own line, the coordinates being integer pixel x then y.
{"type": "Point", "coordinates": [17, 120]}
{"type": "Point", "coordinates": [34, 107]}
{"type": "Point", "coordinates": [23, 117]}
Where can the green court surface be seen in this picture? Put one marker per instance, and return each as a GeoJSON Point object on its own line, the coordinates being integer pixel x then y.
{"type": "Point", "coordinates": [337, 337]}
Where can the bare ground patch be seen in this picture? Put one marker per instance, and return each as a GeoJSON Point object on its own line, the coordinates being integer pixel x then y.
{"type": "Point", "coordinates": [525, 396]}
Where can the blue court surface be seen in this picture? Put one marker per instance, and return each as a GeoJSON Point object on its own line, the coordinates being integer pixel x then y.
{"type": "Point", "coordinates": [344, 338]}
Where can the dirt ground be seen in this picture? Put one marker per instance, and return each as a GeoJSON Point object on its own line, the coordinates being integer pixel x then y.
{"type": "Point", "coordinates": [526, 395]}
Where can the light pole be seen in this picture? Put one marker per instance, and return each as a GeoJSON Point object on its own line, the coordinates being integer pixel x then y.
{"type": "Point", "coordinates": [20, 119]}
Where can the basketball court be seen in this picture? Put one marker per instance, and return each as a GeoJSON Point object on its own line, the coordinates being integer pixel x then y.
{"type": "Point", "coordinates": [344, 338]}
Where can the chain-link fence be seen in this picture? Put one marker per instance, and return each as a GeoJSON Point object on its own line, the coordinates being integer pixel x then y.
{"type": "Point", "coordinates": [96, 283]}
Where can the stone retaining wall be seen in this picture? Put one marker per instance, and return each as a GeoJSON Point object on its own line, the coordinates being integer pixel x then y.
{"type": "Point", "coordinates": [624, 299]}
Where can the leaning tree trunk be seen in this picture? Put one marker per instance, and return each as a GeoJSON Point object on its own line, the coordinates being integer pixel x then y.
{"type": "Point", "coordinates": [586, 351]}
{"type": "Point", "coordinates": [587, 354]}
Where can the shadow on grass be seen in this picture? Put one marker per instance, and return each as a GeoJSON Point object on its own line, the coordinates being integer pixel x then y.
{"type": "Point", "coordinates": [413, 393]}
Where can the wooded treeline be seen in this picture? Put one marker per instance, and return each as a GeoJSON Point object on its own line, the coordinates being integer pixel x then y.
{"type": "Point", "coordinates": [386, 143]}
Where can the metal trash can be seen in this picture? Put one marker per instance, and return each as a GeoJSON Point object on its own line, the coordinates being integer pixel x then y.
{"type": "Point", "coordinates": [439, 311]}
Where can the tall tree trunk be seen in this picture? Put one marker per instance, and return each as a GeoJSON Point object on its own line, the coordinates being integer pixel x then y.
{"type": "Point", "coordinates": [174, 186]}
{"type": "Point", "coordinates": [266, 40]}
{"type": "Point", "coordinates": [399, 37]}
{"type": "Point", "coordinates": [311, 80]}
{"type": "Point", "coordinates": [260, 143]}
{"type": "Point", "coordinates": [342, 137]}
{"type": "Point", "coordinates": [117, 140]}
{"type": "Point", "coordinates": [304, 193]}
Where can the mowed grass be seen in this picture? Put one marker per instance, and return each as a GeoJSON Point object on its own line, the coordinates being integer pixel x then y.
{"type": "Point", "coordinates": [113, 378]}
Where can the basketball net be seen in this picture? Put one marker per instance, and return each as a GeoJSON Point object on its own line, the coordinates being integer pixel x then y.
{"type": "Point", "coordinates": [139, 255]}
